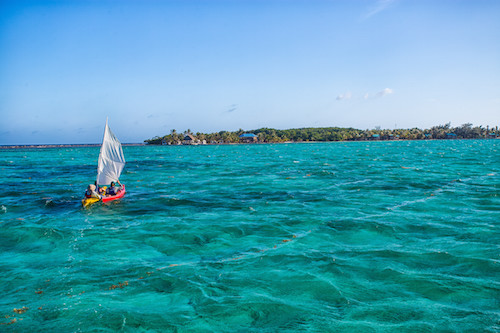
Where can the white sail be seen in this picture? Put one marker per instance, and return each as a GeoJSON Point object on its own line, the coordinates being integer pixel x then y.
{"type": "Point", "coordinates": [111, 160]}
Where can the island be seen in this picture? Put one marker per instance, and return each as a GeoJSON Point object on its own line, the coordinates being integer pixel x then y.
{"type": "Point", "coordinates": [324, 134]}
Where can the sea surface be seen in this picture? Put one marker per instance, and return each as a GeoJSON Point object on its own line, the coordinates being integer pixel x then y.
{"type": "Point", "coordinates": [400, 236]}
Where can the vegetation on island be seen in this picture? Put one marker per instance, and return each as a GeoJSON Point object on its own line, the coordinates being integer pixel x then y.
{"type": "Point", "coordinates": [270, 135]}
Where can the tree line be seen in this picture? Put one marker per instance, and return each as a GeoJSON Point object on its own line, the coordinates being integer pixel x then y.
{"type": "Point", "coordinates": [270, 135]}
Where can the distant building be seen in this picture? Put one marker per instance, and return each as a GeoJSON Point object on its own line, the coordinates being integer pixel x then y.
{"type": "Point", "coordinates": [189, 140]}
{"type": "Point", "coordinates": [375, 137]}
{"type": "Point", "coordinates": [451, 136]}
{"type": "Point", "coordinates": [492, 135]}
{"type": "Point", "coordinates": [248, 138]}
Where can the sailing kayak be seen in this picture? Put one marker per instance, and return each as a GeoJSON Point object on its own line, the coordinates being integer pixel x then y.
{"type": "Point", "coordinates": [109, 167]}
{"type": "Point", "coordinates": [118, 195]}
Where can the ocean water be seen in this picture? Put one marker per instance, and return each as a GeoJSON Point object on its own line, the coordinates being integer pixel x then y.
{"type": "Point", "coordinates": [399, 236]}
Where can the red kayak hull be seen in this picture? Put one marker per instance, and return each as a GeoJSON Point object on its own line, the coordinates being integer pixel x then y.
{"type": "Point", "coordinates": [118, 195]}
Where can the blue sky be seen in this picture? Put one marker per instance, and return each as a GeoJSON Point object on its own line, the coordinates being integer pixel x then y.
{"type": "Point", "coordinates": [207, 66]}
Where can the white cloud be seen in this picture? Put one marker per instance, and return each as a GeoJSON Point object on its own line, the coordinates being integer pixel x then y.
{"type": "Point", "coordinates": [386, 91]}
{"type": "Point", "coordinates": [369, 95]}
{"type": "Point", "coordinates": [382, 93]}
{"type": "Point", "coordinates": [347, 95]}
{"type": "Point", "coordinates": [379, 6]}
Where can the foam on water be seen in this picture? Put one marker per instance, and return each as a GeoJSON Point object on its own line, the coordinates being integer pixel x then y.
{"type": "Point", "coordinates": [346, 236]}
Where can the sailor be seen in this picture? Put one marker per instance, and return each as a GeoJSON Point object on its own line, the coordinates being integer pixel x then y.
{"type": "Point", "coordinates": [112, 189]}
{"type": "Point", "coordinates": [100, 190]}
{"type": "Point", "coordinates": [91, 192]}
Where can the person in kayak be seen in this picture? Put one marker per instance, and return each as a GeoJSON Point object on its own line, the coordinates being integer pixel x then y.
{"type": "Point", "coordinates": [112, 189]}
{"type": "Point", "coordinates": [101, 191]}
{"type": "Point", "coordinates": [91, 192]}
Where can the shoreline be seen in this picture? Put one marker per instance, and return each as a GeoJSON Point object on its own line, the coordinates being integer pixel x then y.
{"type": "Point", "coordinates": [89, 145]}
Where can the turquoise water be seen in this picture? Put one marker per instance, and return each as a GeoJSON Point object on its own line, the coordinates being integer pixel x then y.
{"type": "Point", "coordinates": [318, 237]}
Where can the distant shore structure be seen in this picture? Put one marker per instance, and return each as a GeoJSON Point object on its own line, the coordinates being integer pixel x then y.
{"type": "Point", "coordinates": [248, 138]}
{"type": "Point", "coordinates": [189, 139]}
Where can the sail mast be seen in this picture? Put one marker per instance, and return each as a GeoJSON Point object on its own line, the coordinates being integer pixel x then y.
{"type": "Point", "coordinates": [100, 151]}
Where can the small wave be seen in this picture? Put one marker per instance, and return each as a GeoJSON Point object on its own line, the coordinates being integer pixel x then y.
{"type": "Point", "coordinates": [355, 182]}
{"type": "Point", "coordinates": [3, 209]}
{"type": "Point", "coordinates": [406, 203]}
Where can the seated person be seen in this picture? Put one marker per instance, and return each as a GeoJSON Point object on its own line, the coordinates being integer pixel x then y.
{"type": "Point", "coordinates": [91, 192]}
{"type": "Point", "coordinates": [112, 189]}
{"type": "Point", "coordinates": [100, 190]}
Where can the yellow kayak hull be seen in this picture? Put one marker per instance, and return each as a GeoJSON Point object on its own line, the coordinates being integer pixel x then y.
{"type": "Point", "coordinates": [89, 201]}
